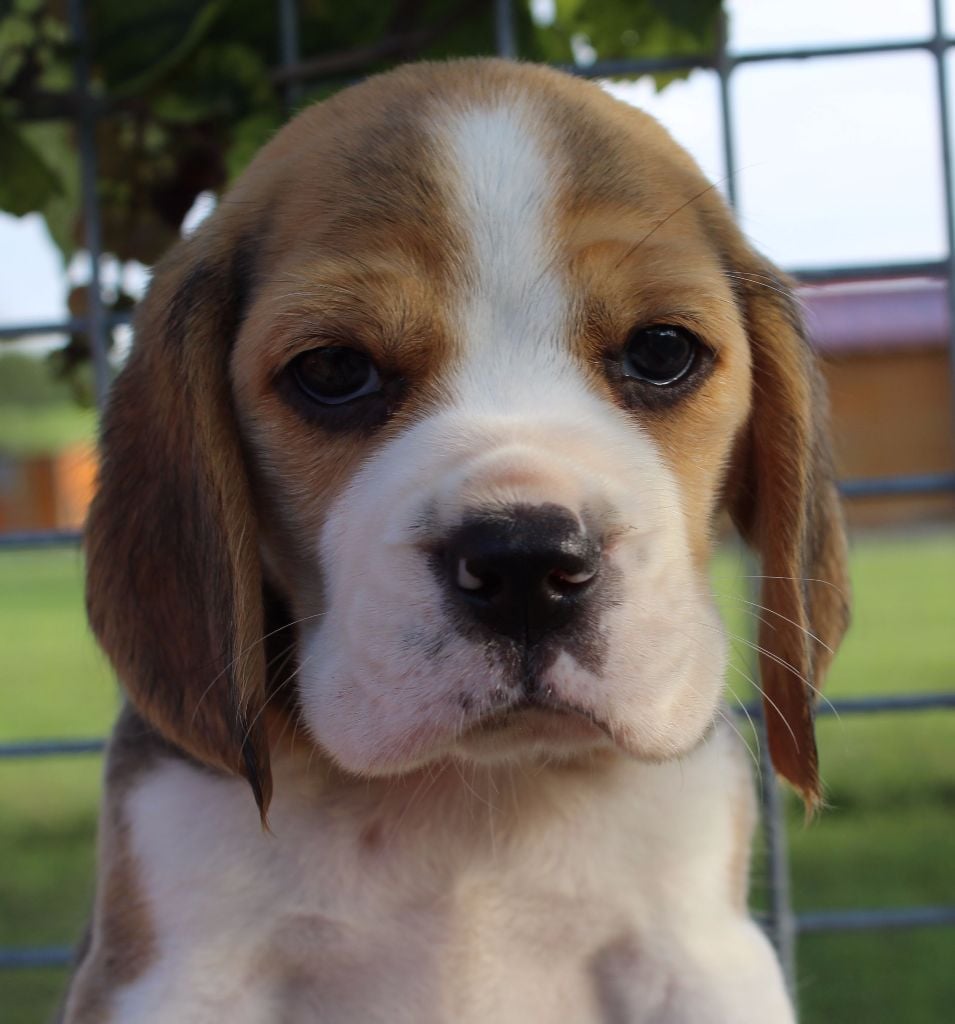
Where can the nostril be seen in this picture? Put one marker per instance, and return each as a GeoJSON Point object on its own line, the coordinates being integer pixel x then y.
{"type": "Point", "coordinates": [466, 579]}
{"type": "Point", "coordinates": [569, 582]}
{"type": "Point", "coordinates": [478, 579]}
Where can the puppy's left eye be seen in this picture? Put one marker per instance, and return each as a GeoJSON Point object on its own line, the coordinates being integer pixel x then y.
{"type": "Point", "coordinates": [335, 375]}
{"type": "Point", "coordinates": [660, 354]}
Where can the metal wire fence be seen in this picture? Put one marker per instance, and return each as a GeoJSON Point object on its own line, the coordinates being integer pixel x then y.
{"type": "Point", "coordinates": [782, 922]}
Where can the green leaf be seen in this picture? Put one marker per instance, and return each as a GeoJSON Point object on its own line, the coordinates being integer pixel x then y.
{"type": "Point", "coordinates": [249, 136]}
{"type": "Point", "coordinates": [16, 35]}
{"type": "Point", "coordinates": [56, 144]}
{"type": "Point", "coordinates": [693, 16]}
{"type": "Point", "coordinates": [28, 183]}
{"type": "Point", "coordinates": [204, 19]}
{"type": "Point", "coordinates": [649, 28]}
{"type": "Point", "coordinates": [192, 95]}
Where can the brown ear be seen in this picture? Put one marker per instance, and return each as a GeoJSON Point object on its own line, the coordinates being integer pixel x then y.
{"type": "Point", "coordinates": [783, 499]}
{"type": "Point", "coordinates": [174, 587]}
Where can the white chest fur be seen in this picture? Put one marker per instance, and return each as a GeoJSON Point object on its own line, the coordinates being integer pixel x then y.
{"type": "Point", "coordinates": [601, 895]}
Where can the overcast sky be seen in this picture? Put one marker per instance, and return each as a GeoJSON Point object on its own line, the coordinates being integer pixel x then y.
{"type": "Point", "coordinates": [839, 159]}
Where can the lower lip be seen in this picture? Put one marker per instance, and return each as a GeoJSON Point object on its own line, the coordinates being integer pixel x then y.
{"type": "Point", "coordinates": [542, 723]}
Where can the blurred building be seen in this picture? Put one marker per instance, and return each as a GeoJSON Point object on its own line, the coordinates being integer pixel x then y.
{"type": "Point", "coordinates": [46, 492]}
{"type": "Point", "coordinates": [884, 346]}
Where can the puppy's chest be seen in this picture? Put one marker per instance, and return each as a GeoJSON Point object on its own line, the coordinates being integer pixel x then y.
{"type": "Point", "coordinates": [415, 909]}
{"type": "Point", "coordinates": [467, 953]}
{"type": "Point", "coordinates": [338, 916]}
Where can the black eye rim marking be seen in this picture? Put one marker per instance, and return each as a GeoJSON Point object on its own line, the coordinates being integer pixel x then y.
{"type": "Point", "coordinates": [362, 410]}
{"type": "Point", "coordinates": [659, 391]}
{"type": "Point", "coordinates": [372, 400]}
{"type": "Point", "coordinates": [360, 361]}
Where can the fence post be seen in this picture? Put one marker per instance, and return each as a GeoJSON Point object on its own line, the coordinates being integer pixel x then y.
{"type": "Point", "coordinates": [782, 921]}
{"type": "Point", "coordinates": [939, 47]}
{"type": "Point", "coordinates": [289, 51]}
{"type": "Point", "coordinates": [92, 228]}
{"type": "Point", "coordinates": [724, 67]}
{"type": "Point", "coordinates": [505, 40]}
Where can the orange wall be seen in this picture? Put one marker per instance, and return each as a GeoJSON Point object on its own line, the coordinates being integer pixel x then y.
{"type": "Point", "coordinates": [892, 413]}
{"type": "Point", "coordinates": [47, 492]}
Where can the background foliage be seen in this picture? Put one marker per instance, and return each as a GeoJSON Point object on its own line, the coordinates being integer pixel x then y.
{"type": "Point", "coordinates": [188, 91]}
{"type": "Point", "coordinates": [192, 90]}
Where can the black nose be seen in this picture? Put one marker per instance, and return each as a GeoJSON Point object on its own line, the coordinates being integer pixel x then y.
{"type": "Point", "coordinates": [524, 571]}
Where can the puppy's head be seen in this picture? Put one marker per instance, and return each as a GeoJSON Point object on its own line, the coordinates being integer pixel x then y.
{"type": "Point", "coordinates": [460, 376]}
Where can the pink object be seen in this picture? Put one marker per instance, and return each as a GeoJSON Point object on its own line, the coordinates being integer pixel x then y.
{"type": "Point", "coordinates": [858, 316]}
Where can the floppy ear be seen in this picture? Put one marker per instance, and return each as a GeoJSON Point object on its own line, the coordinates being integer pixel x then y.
{"type": "Point", "coordinates": [784, 502]}
{"type": "Point", "coordinates": [174, 589]}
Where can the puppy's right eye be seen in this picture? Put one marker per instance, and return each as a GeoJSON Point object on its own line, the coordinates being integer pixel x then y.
{"type": "Point", "coordinates": [335, 375]}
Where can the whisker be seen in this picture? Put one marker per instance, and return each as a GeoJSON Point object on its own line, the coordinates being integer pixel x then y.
{"type": "Point", "coordinates": [752, 725]}
{"type": "Point", "coordinates": [245, 651]}
{"type": "Point", "coordinates": [798, 579]}
{"type": "Point", "coordinates": [729, 721]}
{"type": "Point", "coordinates": [666, 219]}
{"type": "Point", "coordinates": [777, 659]}
{"type": "Point", "coordinates": [779, 615]}
{"type": "Point", "coordinates": [425, 785]}
{"type": "Point", "coordinates": [759, 649]}
{"type": "Point", "coordinates": [733, 637]}
{"type": "Point", "coordinates": [298, 668]}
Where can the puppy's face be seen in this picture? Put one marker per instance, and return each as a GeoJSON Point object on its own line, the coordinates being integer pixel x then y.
{"type": "Point", "coordinates": [491, 380]}
{"type": "Point", "coordinates": [490, 430]}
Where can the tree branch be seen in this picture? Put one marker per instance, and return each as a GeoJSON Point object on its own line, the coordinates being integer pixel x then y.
{"type": "Point", "coordinates": [401, 47]}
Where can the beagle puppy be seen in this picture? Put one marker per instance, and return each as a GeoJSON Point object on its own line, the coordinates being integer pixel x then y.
{"type": "Point", "coordinates": [400, 552]}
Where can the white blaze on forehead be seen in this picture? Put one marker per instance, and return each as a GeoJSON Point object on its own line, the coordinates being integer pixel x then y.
{"type": "Point", "coordinates": [512, 313]}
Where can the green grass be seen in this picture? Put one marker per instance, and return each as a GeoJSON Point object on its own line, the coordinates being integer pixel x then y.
{"type": "Point", "coordinates": [55, 684]}
{"type": "Point", "coordinates": [39, 414]}
{"type": "Point", "coordinates": [44, 429]}
{"type": "Point", "coordinates": [887, 840]}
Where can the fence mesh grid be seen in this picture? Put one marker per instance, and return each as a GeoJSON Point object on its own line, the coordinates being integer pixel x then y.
{"type": "Point", "coordinates": [781, 921]}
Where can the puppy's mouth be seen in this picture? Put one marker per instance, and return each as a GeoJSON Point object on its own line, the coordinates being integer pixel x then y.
{"type": "Point", "coordinates": [539, 719]}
